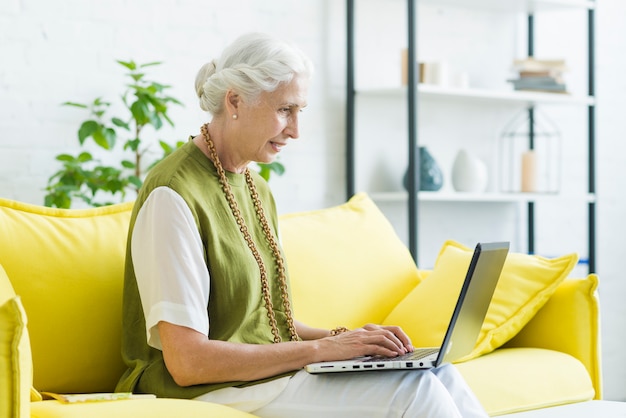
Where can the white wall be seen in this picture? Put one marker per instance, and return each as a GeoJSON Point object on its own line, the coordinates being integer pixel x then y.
{"type": "Point", "coordinates": [51, 52]}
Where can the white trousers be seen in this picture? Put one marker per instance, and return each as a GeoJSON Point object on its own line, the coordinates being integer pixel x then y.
{"type": "Point", "coordinates": [435, 393]}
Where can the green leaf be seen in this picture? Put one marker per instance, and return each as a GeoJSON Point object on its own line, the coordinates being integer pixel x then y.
{"type": "Point", "coordinates": [128, 64]}
{"type": "Point", "coordinates": [82, 106]}
{"type": "Point", "coordinates": [111, 137]}
{"type": "Point", "coordinates": [84, 156]}
{"type": "Point", "coordinates": [277, 168]}
{"type": "Point", "coordinates": [119, 122]}
{"type": "Point", "coordinates": [175, 101]}
{"type": "Point", "coordinates": [135, 181]}
{"type": "Point", "coordinates": [167, 118]}
{"type": "Point", "coordinates": [128, 164]}
{"type": "Point", "coordinates": [139, 111]}
{"type": "Point", "coordinates": [157, 87]}
{"type": "Point", "coordinates": [156, 121]}
{"type": "Point", "coordinates": [265, 169]}
{"type": "Point", "coordinates": [133, 144]}
{"type": "Point", "coordinates": [167, 148]}
{"type": "Point", "coordinates": [150, 64]}
{"type": "Point", "coordinates": [100, 139]}
{"type": "Point", "coordinates": [65, 157]}
{"type": "Point", "coordinates": [98, 102]}
{"type": "Point", "coordinates": [87, 129]}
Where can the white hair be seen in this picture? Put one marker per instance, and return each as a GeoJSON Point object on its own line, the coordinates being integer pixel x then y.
{"type": "Point", "coordinates": [252, 64]}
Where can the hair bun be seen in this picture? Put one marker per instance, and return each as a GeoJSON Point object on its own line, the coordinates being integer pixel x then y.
{"type": "Point", "coordinates": [205, 72]}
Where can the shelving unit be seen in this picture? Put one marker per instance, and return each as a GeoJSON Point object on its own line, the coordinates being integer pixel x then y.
{"type": "Point", "coordinates": [401, 197]}
{"type": "Point", "coordinates": [527, 98]}
{"type": "Point", "coordinates": [413, 95]}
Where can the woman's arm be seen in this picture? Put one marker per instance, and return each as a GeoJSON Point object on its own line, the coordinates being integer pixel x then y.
{"type": "Point", "coordinates": [309, 333]}
{"type": "Point", "coordinates": [193, 359]}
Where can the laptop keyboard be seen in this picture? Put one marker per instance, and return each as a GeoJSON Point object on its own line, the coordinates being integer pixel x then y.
{"type": "Point", "coordinates": [418, 354]}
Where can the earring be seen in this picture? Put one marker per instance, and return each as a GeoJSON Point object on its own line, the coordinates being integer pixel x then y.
{"type": "Point", "coordinates": [235, 116]}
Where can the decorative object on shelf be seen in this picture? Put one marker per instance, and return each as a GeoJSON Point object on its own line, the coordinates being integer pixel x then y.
{"type": "Point", "coordinates": [540, 75]}
{"type": "Point", "coordinates": [530, 165]}
{"type": "Point", "coordinates": [469, 173]}
{"type": "Point", "coordinates": [431, 176]}
{"type": "Point", "coordinates": [430, 72]}
{"type": "Point", "coordinates": [435, 73]}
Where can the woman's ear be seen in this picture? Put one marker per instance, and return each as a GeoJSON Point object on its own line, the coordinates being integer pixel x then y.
{"type": "Point", "coordinates": [232, 102]}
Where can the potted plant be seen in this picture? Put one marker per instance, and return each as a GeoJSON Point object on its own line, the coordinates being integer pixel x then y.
{"type": "Point", "coordinates": [85, 178]}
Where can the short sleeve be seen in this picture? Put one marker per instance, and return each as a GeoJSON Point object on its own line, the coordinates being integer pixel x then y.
{"type": "Point", "coordinates": [170, 267]}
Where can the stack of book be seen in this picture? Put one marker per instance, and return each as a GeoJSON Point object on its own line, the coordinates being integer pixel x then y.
{"type": "Point", "coordinates": [539, 75]}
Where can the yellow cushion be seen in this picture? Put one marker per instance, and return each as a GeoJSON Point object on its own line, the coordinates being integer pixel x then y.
{"type": "Point", "coordinates": [153, 408]}
{"type": "Point", "coordinates": [347, 264]}
{"type": "Point", "coordinates": [7, 293]}
{"type": "Point", "coordinates": [518, 379]}
{"type": "Point", "coordinates": [525, 285]}
{"type": "Point", "coordinates": [16, 365]}
{"type": "Point", "coordinates": [67, 267]}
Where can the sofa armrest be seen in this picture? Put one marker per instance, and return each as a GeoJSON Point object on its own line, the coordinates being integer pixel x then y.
{"type": "Point", "coordinates": [569, 322]}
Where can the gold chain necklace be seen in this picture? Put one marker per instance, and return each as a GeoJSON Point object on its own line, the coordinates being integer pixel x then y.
{"type": "Point", "coordinates": [278, 259]}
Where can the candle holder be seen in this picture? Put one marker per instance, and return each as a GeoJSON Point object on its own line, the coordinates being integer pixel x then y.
{"type": "Point", "coordinates": [530, 154]}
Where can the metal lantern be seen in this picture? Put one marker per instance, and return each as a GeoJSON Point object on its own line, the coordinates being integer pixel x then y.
{"type": "Point", "coordinates": [530, 154]}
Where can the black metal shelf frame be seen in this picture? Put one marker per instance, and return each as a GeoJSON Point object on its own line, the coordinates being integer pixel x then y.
{"type": "Point", "coordinates": [413, 166]}
{"type": "Point", "coordinates": [412, 128]}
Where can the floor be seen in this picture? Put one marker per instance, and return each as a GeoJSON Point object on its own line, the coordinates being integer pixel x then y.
{"type": "Point", "coordinates": [595, 409]}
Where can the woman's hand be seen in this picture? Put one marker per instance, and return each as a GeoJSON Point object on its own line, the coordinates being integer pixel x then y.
{"type": "Point", "coordinates": [369, 340]}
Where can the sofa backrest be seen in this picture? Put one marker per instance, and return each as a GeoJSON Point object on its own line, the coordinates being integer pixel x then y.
{"type": "Point", "coordinates": [67, 267]}
{"type": "Point", "coordinates": [348, 266]}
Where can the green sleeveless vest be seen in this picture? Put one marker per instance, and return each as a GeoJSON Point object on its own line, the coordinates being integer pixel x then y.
{"type": "Point", "coordinates": [236, 307]}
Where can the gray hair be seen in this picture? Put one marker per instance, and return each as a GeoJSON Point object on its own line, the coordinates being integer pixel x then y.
{"type": "Point", "coordinates": [252, 64]}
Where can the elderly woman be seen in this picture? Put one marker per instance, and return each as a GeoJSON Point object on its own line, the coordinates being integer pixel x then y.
{"type": "Point", "coordinates": [207, 309]}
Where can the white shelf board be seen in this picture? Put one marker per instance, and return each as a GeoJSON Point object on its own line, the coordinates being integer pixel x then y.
{"type": "Point", "coordinates": [528, 98]}
{"type": "Point", "coordinates": [516, 5]}
{"type": "Point", "coordinates": [487, 197]}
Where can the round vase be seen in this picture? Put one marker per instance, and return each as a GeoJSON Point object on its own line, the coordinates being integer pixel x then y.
{"type": "Point", "coordinates": [469, 174]}
{"type": "Point", "coordinates": [431, 176]}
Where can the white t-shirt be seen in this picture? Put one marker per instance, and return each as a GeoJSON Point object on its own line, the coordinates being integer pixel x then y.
{"type": "Point", "coordinates": [170, 267]}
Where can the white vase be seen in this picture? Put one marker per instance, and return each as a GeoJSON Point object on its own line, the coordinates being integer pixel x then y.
{"type": "Point", "coordinates": [469, 173]}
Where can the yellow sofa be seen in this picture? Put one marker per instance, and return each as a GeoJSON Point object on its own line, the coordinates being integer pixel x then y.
{"type": "Point", "coordinates": [60, 305]}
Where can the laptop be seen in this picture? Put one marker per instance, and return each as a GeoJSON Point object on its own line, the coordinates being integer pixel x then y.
{"type": "Point", "coordinates": [464, 327]}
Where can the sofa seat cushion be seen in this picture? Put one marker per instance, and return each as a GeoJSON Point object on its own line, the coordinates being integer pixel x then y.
{"type": "Point", "coordinates": [512, 380]}
{"type": "Point", "coordinates": [153, 408]}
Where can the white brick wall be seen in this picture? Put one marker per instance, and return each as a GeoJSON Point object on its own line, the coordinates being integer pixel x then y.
{"type": "Point", "coordinates": [53, 51]}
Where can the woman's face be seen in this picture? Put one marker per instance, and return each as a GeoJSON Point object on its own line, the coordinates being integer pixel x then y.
{"type": "Point", "coordinates": [266, 125]}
